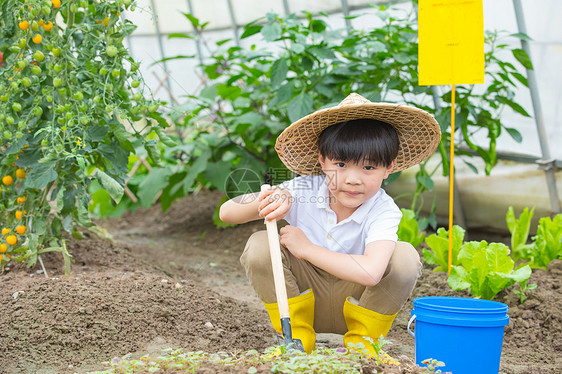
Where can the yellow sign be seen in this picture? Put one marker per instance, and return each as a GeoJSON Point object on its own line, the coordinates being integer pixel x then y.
{"type": "Point", "coordinates": [451, 42]}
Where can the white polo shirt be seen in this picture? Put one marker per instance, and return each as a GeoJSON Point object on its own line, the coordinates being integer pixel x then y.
{"type": "Point", "coordinates": [376, 219]}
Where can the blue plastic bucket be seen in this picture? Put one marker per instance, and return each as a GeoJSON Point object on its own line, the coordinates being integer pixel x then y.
{"type": "Point", "coordinates": [466, 334]}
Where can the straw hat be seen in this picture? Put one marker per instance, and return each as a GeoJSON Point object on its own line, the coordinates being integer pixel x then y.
{"type": "Point", "coordinates": [418, 132]}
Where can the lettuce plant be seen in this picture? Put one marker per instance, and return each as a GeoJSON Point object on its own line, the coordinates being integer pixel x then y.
{"type": "Point", "coordinates": [519, 229]}
{"type": "Point", "coordinates": [438, 252]}
{"type": "Point", "coordinates": [547, 245]}
{"type": "Point", "coordinates": [409, 229]}
{"type": "Point", "coordinates": [486, 269]}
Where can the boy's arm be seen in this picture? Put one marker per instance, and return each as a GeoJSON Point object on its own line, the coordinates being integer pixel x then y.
{"type": "Point", "coordinates": [270, 204]}
{"type": "Point", "coordinates": [240, 209]}
{"type": "Point", "coordinates": [366, 269]}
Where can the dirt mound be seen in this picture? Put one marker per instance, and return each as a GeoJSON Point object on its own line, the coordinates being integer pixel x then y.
{"type": "Point", "coordinates": [113, 304]}
{"type": "Point", "coordinates": [171, 280]}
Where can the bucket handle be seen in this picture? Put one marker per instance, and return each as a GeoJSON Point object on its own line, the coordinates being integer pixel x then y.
{"type": "Point", "coordinates": [409, 323]}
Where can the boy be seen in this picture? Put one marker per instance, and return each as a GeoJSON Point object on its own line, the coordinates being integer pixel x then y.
{"type": "Point", "coordinates": [345, 272]}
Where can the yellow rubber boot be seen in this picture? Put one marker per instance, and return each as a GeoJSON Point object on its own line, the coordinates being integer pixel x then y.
{"type": "Point", "coordinates": [362, 322]}
{"type": "Point", "coordinates": [301, 312]}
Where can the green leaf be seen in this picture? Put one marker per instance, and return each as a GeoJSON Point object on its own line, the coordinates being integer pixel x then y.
{"type": "Point", "coordinates": [250, 30]}
{"type": "Point", "coordinates": [521, 36]}
{"type": "Point", "coordinates": [497, 258]}
{"type": "Point", "coordinates": [180, 35]}
{"type": "Point", "coordinates": [426, 181]}
{"type": "Point", "coordinates": [217, 173]}
{"type": "Point", "coordinates": [408, 229]}
{"type": "Point", "coordinates": [471, 166]}
{"type": "Point", "coordinates": [210, 92]}
{"type": "Point", "coordinates": [60, 198]}
{"type": "Point", "coordinates": [439, 245]}
{"type": "Point", "coordinates": [195, 169]}
{"type": "Point", "coordinates": [323, 53]}
{"type": "Point", "coordinates": [155, 181]}
{"type": "Point", "coordinates": [430, 258]}
{"type": "Point", "coordinates": [96, 133]}
{"type": "Point", "coordinates": [165, 139]}
{"type": "Point", "coordinates": [522, 275]}
{"type": "Point", "coordinates": [284, 94]}
{"type": "Point", "coordinates": [279, 71]}
{"type": "Point", "coordinates": [467, 252]}
{"type": "Point", "coordinates": [515, 134]}
{"type": "Point", "coordinates": [477, 273]}
{"type": "Point", "coordinates": [40, 176]}
{"type": "Point", "coordinates": [300, 106]}
{"type": "Point", "coordinates": [122, 135]}
{"type": "Point", "coordinates": [229, 92]}
{"type": "Point", "coordinates": [194, 21]}
{"type": "Point", "coordinates": [521, 78]}
{"type": "Point", "coordinates": [113, 187]}
{"type": "Point", "coordinates": [178, 57]}
{"type": "Point", "coordinates": [317, 25]}
{"type": "Point", "coordinates": [271, 32]}
{"type": "Point", "coordinates": [519, 229]}
{"type": "Point", "coordinates": [548, 244]}
{"type": "Point", "coordinates": [28, 159]}
{"type": "Point", "coordinates": [377, 46]}
{"type": "Point", "coordinates": [153, 152]}
{"type": "Point", "coordinates": [173, 190]}
{"type": "Point", "coordinates": [402, 58]}
{"type": "Point", "coordinates": [523, 58]}
{"type": "Point", "coordinates": [513, 105]}
{"type": "Point", "coordinates": [457, 279]}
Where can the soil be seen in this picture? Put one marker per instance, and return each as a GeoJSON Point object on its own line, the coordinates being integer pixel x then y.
{"type": "Point", "coordinates": [169, 280]}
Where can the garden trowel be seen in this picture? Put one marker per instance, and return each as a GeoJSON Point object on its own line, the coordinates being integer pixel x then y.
{"type": "Point", "coordinates": [280, 288]}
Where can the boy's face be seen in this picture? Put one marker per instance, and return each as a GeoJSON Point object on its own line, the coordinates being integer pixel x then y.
{"type": "Point", "coordinates": [351, 184]}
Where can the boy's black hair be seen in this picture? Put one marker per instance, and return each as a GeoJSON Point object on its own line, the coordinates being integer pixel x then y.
{"type": "Point", "coordinates": [360, 140]}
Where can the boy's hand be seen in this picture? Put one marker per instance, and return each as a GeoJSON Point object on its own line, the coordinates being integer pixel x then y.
{"type": "Point", "coordinates": [275, 203]}
{"type": "Point", "coordinates": [295, 240]}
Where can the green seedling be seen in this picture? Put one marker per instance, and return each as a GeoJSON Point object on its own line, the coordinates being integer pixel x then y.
{"type": "Point", "coordinates": [524, 288]}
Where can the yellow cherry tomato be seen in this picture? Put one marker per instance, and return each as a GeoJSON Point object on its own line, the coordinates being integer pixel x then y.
{"type": "Point", "coordinates": [20, 173]}
{"type": "Point", "coordinates": [11, 239]}
{"type": "Point", "coordinates": [48, 26]}
{"type": "Point", "coordinates": [19, 214]}
{"type": "Point", "coordinates": [7, 180]}
{"type": "Point", "coordinates": [24, 25]}
{"type": "Point", "coordinates": [56, 3]}
{"type": "Point", "coordinates": [3, 248]}
{"type": "Point", "coordinates": [21, 229]}
{"type": "Point", "coordinates": [5, 230]}
{"type": "Point", "coordinates": [37, 39]}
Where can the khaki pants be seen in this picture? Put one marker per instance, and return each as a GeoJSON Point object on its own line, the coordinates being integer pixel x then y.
{"type": "Point", "coordinates": [330, 292]}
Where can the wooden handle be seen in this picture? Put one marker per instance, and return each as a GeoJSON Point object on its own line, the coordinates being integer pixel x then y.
{"type": "Point", "coordinates": [277, 265]}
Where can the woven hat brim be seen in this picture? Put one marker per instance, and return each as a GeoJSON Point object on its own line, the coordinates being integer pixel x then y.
{"type": "Point", "coordinates": [418, 132]}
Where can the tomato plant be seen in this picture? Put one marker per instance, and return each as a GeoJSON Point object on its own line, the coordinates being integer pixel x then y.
{"type": "Point", "coordinates": [64, 124]}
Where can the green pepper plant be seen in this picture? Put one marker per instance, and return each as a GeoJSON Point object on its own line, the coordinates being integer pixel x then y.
{"type": "Point", "coordinates": [72, 100]}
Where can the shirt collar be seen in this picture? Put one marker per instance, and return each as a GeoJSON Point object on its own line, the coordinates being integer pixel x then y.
{"type": "Point", "coordinates": [361, 213]}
